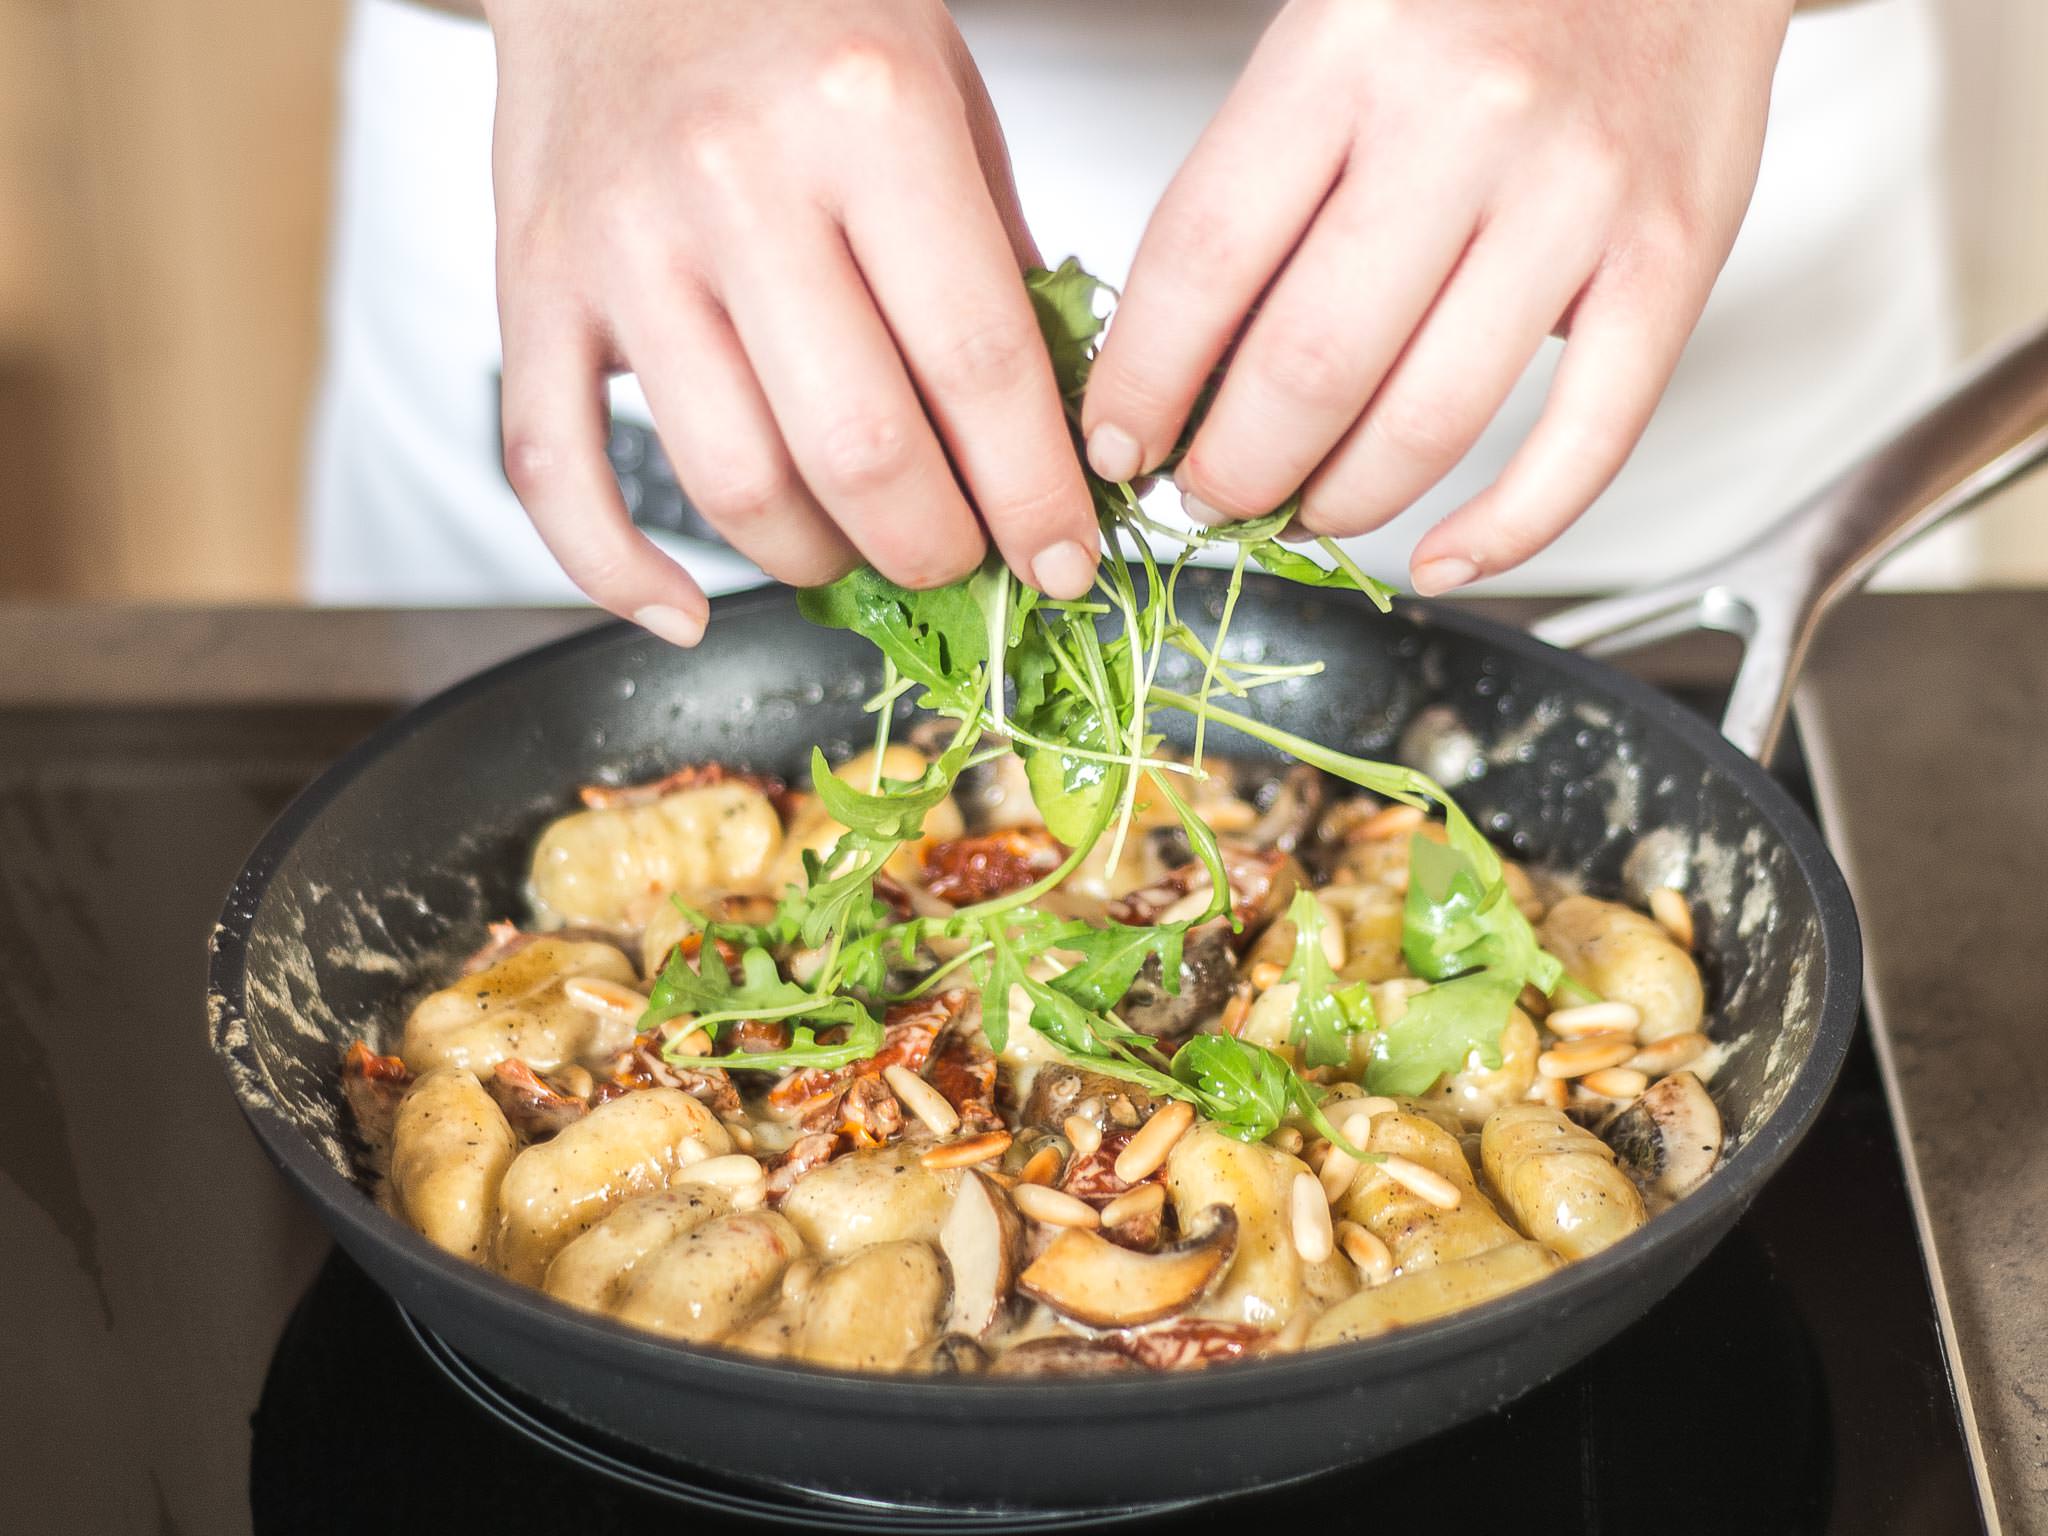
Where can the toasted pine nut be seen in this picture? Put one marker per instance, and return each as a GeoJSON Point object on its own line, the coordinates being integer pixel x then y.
{"type": "Point", "coordinates": [1615, 1083]}
{"type": "Point", "coordinates": [750, 1197]}
{"type": "Point", "coordinates": [735, 1170]}
{"type": "Point", "coordinates": [1334, 948]}
{"type": "Point", "coordinates": [1575, 1058]}
{"type": "Point", "coordinates": [1353, 1117]}
{"type": "Point", "coordinates": [964, 1154]}
{"type": "Point", "coordinates": [1084, 1134]}
{"type": "Point", "coordinates": [805, 964]}
{"type": "Point", "coordinates": [1042, 1167]}
{"type": "Point", "coordinates": [573, 1080]}
{"type": "Point", "coordinates": [1287, 1139]}
{"type": "Point", "coordinates": [1133, 1204]}
{"type": "Point", "coordinates": [741, 1136]}
{"type": "Point", "coordinates": [1391, 822]}
{"type": "Point", "coordinates": [796, 1280]}
{"type": "Point", "coordinates": [1313, 1238]}
{"type": "Point", "coordinates": [1237, 1010]}
{"type": "Point", "coordinates": [1554, 1091]}
{"type": "Point", "coordinates": [1375, 1263]}
{"type": "Point", "coordinates": [1264, 974]}
{"type": "Point", "coordinates": [593, 994]}
{"type": "Point", "coordinates": [1335, 1176]}
{"type": "Point", "coordinates": [922, 1099]}
{"type": "Point", "coordinates": [1670, 1053]}
{"type": "Point", "coordinates": [1155, 1138]}
{"type": "Point", "coordinates": [1188, 908]}
{"type": "Point", "coordinates": [1053, 1207]}
{"type": "Point", "coordinates": [690, 1152]}
{"type": "Point", "coordinates": [1424, 1183]}
{"type": "Point", "coordinates": [1671, 909]}
{"type": "Point", "coordinates": [1594, 1019]}
{"type": "Point", "coordinates": [686, 1040]}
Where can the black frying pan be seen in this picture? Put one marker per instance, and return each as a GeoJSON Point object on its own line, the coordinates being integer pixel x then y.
{"type": "Point", "coordinates": [392, 862]}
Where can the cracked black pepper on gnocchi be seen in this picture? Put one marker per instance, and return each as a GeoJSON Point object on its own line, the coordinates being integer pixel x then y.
{"type": "Point", "coordinates": [1030, 1046]}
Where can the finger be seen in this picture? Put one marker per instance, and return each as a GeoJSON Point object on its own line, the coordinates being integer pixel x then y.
{"type": "Point", "coordinates": [1324, 338]}
{"type": "Point", "coordinates": [1227, 221]}
{"type": "Point", "coordinates": [555, 425]}
{"type": "Point", "coordinates": [1506, 295]}
{"type": "Point", "coordinates": [1617, 360]}
{"type": "Point", "coordinates": [943, 273]}
{"type": "Point", "coordinates": [722, 439]}
{"type": "Point", "coordinates": [993, 155]}
{"type": "Point", "coordinates": [838, 390]}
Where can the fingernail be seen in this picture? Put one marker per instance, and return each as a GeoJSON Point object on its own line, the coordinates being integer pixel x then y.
{"type": "Point", "coordinates": [1064, 569]}
{"type": "Point", "coordinates": [1199, 511]}
{"type": "Point", "coordinates": [1438, 576]}
{"type": "Point", "coordinates": [1113, 453]}
{"type": "Point", "coordinates": [672, 624]}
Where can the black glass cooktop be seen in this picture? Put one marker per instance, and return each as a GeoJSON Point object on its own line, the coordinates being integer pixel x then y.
{"type": "Point", "coordinates": [182, 1352]}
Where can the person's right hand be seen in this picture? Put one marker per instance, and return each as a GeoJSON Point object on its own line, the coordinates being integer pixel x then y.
{"type": "Point", "coordinates": [793, 219]}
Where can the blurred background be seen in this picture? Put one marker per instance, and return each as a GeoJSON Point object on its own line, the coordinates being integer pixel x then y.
{"type": "Point", "coordinates": [164, 191]}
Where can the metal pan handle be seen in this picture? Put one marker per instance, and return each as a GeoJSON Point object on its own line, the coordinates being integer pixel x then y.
{"type": "Point", "coordinates": [1989, 428]}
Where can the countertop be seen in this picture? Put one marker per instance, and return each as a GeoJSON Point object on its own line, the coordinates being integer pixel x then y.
{"type": "Point", "coordinates": [1926, 718]}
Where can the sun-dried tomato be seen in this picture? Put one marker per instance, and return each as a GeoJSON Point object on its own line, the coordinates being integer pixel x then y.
{"type": "Point", "coordinates": [965, 870]}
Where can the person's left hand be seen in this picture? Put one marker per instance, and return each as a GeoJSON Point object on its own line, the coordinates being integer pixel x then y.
{"type": "Point", "coordinates": [1398, 202]}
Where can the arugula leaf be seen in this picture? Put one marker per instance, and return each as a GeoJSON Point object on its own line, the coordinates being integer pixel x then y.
{"type": "Point", "coordinates": [1295, 566]}
{"type": "Point", "coordinates": [1325, 1015]}
{"type": "Point", "coordinates": [1453, 921]}
{"type": "Point", "coordinates": [1439, 1030]}
{"type": "Point", "coordinates": [1243, 1087]}
{"type": "Point", "coordinates": [864, 1036]}
{"type": "Point", "coordinates": [1064, 300]}
{"type": "Point", "coordinates": [938, 638]}
{"type": "Point", "coordinates": [1111, 958]}
{"type": "Point", "coordinates": [708, 992]}
{"type": "Point", "coordinates": [896, 814]}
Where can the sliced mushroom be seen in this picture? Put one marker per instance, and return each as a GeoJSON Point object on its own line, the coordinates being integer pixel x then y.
{"type": "Point", "coordinates": [1288, 808]}
{"type": "Point", "coordinates": [1208, 971]}
{"type": "Point", "coordinates": [1059, 1090]}
{"type": "Point", "coordinates": [951, 1354]}
{"type": "Point", "coordinates": [1063, 1355]}
{"type": "Point", "coordinates": [1670, 1137]}
{"type": "Point", "coordinates": [1091, 1280]}
{"type": "Point", "coordinates": [983, 1241]}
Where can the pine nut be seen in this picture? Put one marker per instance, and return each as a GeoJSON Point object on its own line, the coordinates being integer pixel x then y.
{"type": "Point", "coordinates": [1334, 1178]}
{"type": "Point", "coordinates": [1264, 974]}
{"type": "Point", "coordinates": [1670, 1053]}
{"type": "Point", "coordinates": [1423, 1183]}
{"type": "Point", "coordinates": [1391, 822]}
{"type": "Point", "coordinates": [687, 1040]}
{"type": "Point", "coordinates": [1237, 1010]}
{"type": "Point", "coordinates": [1334, 949]}
{"type": "Point", "coordinates": [735, 1170]}
{"type": "Point", "coordinates": [922, 1099]}
{"type": "Point", "coordinates": [1053, 1207]}
{"type": "Point", "coordinates": [1615, 1083]}
{"type": "Point", "coordinates": [1353, 1117]}
{"type": "Point", "coordinates": [1313, 1238]}
{"type": "Point", "coordinates": [1575, 1058]}
{"type": "Point", "coordinates": [1671, 909]}
{"type": "Point", "coordinates": [573, 1080]}
{"type": "Point", "coordinates": [593, 994]}
{"type": "Point", "coordinates": [1594, 1019]}
{"type": "Point", "coordinates": [690, 1152]}
{"type": "Point", "coordinates": [1187, 908]}
{"type": "Point", "coordinates": [1287, 1139]}
{"type": "Point", "coordinates": [1554, 1091]}
{"type": "Point", "coordinates": [741, 1136]}
{"type": "Point", "coordinates": [1155, 1138]}
{"type": "Point", "coordinates": [1134, 1204]}
{"type": "Point", "coordinates": [1082, 1133]}
{"type": "Point", "coordinates": [750, 1197]}
{"type": "Point", "coordinates": [1042, 1167]}
{"type": "Point", "coordinates": [1374, 1260]}
{"type": "Point", "coordinates": [964, 1154]}
{"type": "Point", "coordinates": [805, 964]}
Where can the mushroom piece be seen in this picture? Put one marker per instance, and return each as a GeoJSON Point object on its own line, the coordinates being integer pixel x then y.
{"type": "Point", "coordinates": [950, 1354]}
{"type": "Point", "coordinates": [1288, 808]}
{"type": "Point", "coordinates": [1059, 1090]}
{"type": "Point", "coordinates": [983, 1241]}
{"type": "Point", "coordinates": [1670, 1137]}
{"type": "Point", "coordinates": [1063, 1355]}
{"type": "Point", "coordinates": [1208, 972]}
{"type": "Point", "coordinates": [1088, 1278]}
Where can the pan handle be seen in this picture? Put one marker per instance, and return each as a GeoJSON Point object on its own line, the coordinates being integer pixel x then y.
{"type": "Point", "coordinates": [1987, 429]}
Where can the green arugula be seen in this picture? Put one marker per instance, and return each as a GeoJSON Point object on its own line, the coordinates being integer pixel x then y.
{"type": "Point", "coordinates": [1439, 1030]}
{"type": "Point", "coordinates": [1325, 1014]}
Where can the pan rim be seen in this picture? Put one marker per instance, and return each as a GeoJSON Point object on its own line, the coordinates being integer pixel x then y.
{"type": "Point", "coordinates": [615, 1346]}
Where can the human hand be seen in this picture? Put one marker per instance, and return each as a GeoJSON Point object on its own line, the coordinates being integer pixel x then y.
{"type": "Point", "coordinates": [794, 220]}
{"type": "Point", "coordinates": [1397, 203]}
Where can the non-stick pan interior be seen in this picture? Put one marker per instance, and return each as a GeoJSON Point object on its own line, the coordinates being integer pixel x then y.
{"type": "Point", "coordinates": [397, 870]}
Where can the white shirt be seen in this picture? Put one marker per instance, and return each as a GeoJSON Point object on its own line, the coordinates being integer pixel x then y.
{"type": "Point", "coordinates": [1829, 321]}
